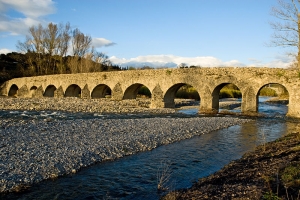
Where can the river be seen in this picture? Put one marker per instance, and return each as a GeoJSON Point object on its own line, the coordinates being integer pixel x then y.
{"type": "Point", "coordinates": [136, 176]}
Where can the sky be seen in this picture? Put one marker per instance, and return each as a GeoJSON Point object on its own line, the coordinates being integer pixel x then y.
{"type": "Point", "coordinates": [159, 33]}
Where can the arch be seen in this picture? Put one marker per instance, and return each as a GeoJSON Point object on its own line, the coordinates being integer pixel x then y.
{"type": "Point", "coordinates": [32, 91]}
{"type": "Point", "coordinates": [171, 93]}
{"type": "Point", "coordinates": [73, 91]}
{"type": "Point", "coordinates": [33, 88]}
{"type": "Point", "coordinates": [217, 94]}
{"type": "Point", "coordinates": [50, 90]}
{"type": "Point", "coordinates": [273, 89]}
{"type": "Point", "coordinates": [132, 91]}
{"type": "Point", "coordinates": [101, 91]}
{"type": "Point", "coordinates": [277, 90]}
{"type": "Point", "coordinates": [13, 91]}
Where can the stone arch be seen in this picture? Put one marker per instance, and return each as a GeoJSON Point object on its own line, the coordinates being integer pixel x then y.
{"type": "Point", "coordinates": [101, 91]}
{"type": "Point", "coordinates": [170, 95]}
{"type": "Point", "coordinates": [49, 91]}
{"type": "Point", "coordinates": [216, 95]}
{"type": "Point", "coordinates": [132, 91]}
{"type": "Point", "coordinates": [73, 91]}
{"type": "Point", "coordinates": [278, 88]}
{"type": "Point", "coordinates": [13, 90]}
{"type": "Point", "coordinates": [32, 91]}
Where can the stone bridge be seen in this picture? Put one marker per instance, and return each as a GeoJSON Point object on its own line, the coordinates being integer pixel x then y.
{"type": "Point", "coordinates": [163, 84]}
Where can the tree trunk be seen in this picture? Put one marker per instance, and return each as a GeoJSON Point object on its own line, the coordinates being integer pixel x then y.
{"type": "Point", "coordinates": [298, 56]}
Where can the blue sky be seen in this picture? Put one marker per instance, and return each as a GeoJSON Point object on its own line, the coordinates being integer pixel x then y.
{"type": "Point", "coordinates": [159, 32]}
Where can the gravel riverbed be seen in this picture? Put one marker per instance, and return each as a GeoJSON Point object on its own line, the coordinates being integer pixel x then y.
{"type": "Point", "coordinates": [73, 104]}
{"type": "Point", "coordinates": [34, 150]}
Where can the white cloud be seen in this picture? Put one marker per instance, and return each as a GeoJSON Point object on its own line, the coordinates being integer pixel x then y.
{"type": "Point", "coordinates": [203, 61]}
{"type": "Point", "coordinates": [30, 11]}
{"type": "Point", "coordinates": [18, 26]}
{"type": "Point", "coordinates": [5, 51]}
{"type": "Point", "coordinates": [279, 61]}
{"type": "Point", "coordinates": [100, 42]}
{"type": "Point", "coordinates": [30, 8]}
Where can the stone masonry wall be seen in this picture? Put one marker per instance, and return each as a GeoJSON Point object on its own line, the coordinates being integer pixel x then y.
{"type": "Point", "coordinates": [163, 83]}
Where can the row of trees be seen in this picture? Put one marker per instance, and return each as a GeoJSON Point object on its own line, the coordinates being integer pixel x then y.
{"type": "Point", "coordinates": [13, 65]}
{"type": "Point", "coordinates": [57, 48]}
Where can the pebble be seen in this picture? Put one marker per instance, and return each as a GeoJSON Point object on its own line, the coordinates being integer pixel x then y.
{"type": "Point", "coordinates": [73, 104]}
{"type": "Point", "coordinates": [34, 150]}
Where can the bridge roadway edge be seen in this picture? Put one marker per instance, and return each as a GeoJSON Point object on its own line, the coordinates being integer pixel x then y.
{"type": "Point", "coordinates": [163, 84]}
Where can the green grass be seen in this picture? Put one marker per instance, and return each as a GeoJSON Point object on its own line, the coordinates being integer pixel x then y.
{"type": "Point", "coordinates": [268, 92]}
{"type": "Point", "coordinates": [144, 91]}
{"type": "Point", "coordinates": [270, 196]}
{"type": "Point", "coordinates": [187, 92]}
{"type": "Point", "coordinates": [229, 93]}
{"type": "Point", "coordinates": [290, 176]}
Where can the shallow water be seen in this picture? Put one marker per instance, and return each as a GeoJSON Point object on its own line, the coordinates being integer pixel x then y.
{"type": "Point", "coordinates": [136, 176]}
{"type": "Point", "coordinates": [270, 110]}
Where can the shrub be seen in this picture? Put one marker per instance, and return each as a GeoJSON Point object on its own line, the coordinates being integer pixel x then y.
{"type": "Point", "coordinates": [144, 91]}
{"type": "Point", "coordinates": [187, 92]}
{"type": "Point", "coordinates": [267, 92]}
{"type": "Point", "coordinates": [291, 175]}
{"type": "Point", "coordinates": [229, 93]}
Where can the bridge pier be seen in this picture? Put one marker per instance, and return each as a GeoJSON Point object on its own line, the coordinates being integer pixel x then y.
{"type": "Point", "coordinates": [157, 98]}
{"type": "Point", "coordinates": [169, 103]}
{"type": "Point", "coordinates": [59, 93]}
{"type": "Point", "coordinates": [23, 91]}
{"type": "Point", "coordinates": [209, 103]}
{"type": "Point", "coordinates": [249, 101]}
{"type": "Point", "coordinates": [294, 105]}
{"type": "Point", "coordinates": [38, 93]}
{"type": "Point", "coordinates": [85, 92]}
{"type": "Point", "coordinates": [117, 93]}
{"type": "Point", "coordinates": [157, 103]}
{"type": "Point", "coordinates": [206, 106]}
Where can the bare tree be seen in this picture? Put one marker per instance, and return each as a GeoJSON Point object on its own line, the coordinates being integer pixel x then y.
{"type": "Point", "coordinates": [63, 45]}
{"type": "Point", "coordinates": [287, 30]}
{"type": "Point", "coordinates": [47, 49]}
{"type": "Point", "coordinates": [40, 46]}
{"type": "Point", "coordinates": [50, 43]}
{"type": "Point", "coordinates": [80, 43]}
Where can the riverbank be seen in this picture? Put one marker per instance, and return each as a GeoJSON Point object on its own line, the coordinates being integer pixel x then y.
{"type": "Point", "coordinates": [34, 150]}
{"type": "Point", "coordinates": [272, 171]}
{"type": "Point", "coordinates": [103, 105]}
{"type": "Point", "coordinates": [73, 104]}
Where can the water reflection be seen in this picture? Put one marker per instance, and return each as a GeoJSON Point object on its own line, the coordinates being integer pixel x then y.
{"type": "Point", "coordinates": [272, 110]}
